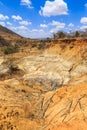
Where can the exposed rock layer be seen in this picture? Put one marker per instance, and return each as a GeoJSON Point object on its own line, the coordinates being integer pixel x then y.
{"type": "Point", "coordinates": [45, 89]}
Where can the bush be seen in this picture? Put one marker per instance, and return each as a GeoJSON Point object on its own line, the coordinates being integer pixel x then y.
{"type": "Point", "coordinates": [41, 45]}
{"type": "Point", "coordinates": [13, 68]}
{"type": "Point", "coordinates": [10, 50]}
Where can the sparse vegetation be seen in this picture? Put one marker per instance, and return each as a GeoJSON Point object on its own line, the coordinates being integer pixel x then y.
{"type": "Point", "coordinates": [10, 49]}
{"type": "Point", "coordinates": [59, 34]}
{"type": "Point", "coordinates": [13, 68]}
{"type": "Point", "coordinates": [70, 34]}
{"type": "Point", "coordinates": [21, 42]}
{"type": "Point", "coordinates": [3, 42]}
{"type": "Point", "coordinates": [41, 45]}
{"type": "Point", "coordinates": [77, 34]}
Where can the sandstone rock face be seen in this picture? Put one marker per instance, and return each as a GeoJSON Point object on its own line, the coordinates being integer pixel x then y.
{"type": "Point", "coordinates": [50, 68]}
{"type": "Point", "coordinates": [54, 69]}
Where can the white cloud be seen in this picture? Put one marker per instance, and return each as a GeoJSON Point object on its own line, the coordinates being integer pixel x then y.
{"type": "Point", "coordinates": [54, 26]}
{"type": "Point", "coordinates": [58, 26]}
{"type": "Point", "coordinates": [71, 25]}
{"type": "Point", "coordinates": [54, 8]}
{"type": "Point", "coordinates": [2, 23]}
{"type": "Point", "coordinates": [57, 23]}
{"type": "Point", "coordinates": [34, 30]}
{"type": "Point", "coordinates": [26, 32]}
{"type": "Point", "coordinates": [3, 17]}
{"type": "Point", "coordinates": [25, 23]}
{"type": "Point", "coordinates": [8, 23]}
{"type": "Point", "coordinates": [83, 27]}
{"type": "Point", "coordinates": [83, 20]}
{"type": "Point", "coordinates": [43, 25]}
{"type": "Point", "coordinates": [38, 33]}
{"type": "Point", "coordinates": [16, 17]}
{"type": "Point", "coordinates": [85, 5]}
{"type": "Point", "coordinates": [21, 28]}
{"type": "Point", "coordinates": [56, 29]}
{"type": "Point", "coordinates": [27, 3]}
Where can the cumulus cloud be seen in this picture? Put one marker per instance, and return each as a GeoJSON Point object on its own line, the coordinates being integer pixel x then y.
{"type": "Point", "coordinates": [83, 20]}
{"type": "Point", "coordinates": [38, 33]}
{"type": "Point", "coordinates": [2, 23]}
{"type": "Point", "coordinates": [54, 8]}
{"type": "Point", "coordinates": [25, 23]}
{"type": "Point", "coordinates": [26, 32]}
{"type": "Point", "coordinates": [56, 29]}
{"type": "Point", "coordinates": [16, 17]}
{"type": "Point", "coordinates": [3, 17]}
{"type": "Point", "coordinates": [71, 25]}
{"type": "Point", "coordinates": [83, 27]}
{"type": "Point", "coordinates": [21, 28]}
{"type": "Point", "coordinates": [57, 26]}
{"type": "Point", "coordinates": [27, 3]}
{"type": "Point", "coordinates": [8, 23]}
{"type": "Point", "coordinates": [57, 23]}
{"type": "Point", "coordinates": [43, 25]}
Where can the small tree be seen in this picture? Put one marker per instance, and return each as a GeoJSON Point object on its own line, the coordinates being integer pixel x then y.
{"type": "Point", "coordinates": [77, 34]}
{"type": "Point", "coordinates": [55, 35]}
{"type": "Point", "coordinates": [59, 34]}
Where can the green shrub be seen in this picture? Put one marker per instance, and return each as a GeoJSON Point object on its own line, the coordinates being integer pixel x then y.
{"type": "Point", "coordinates": [41, 45]}
{"type": "Point", "coordinates": [9, 50]}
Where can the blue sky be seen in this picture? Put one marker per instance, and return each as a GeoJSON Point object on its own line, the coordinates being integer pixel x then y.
{"type": "Point", "coordinates": [42, 18]}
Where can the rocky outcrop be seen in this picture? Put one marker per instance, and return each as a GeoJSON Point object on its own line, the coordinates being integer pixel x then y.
{"type": "Point", "coordinates": [53, 70]}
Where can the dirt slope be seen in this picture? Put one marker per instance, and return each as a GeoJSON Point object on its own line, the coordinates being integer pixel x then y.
{"type": "Point", "coordinates": [6, 32]}
{"type": "Point", "coordinates": [45, 89]}
{"type": "Point", "coordinates": [67, 109]}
